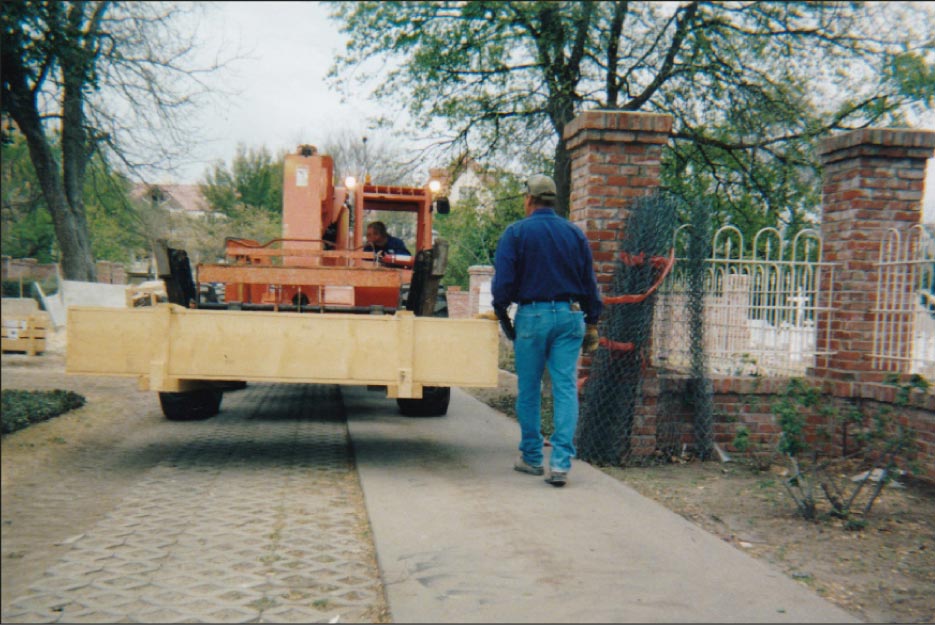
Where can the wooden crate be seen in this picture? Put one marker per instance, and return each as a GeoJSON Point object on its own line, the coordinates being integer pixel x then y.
{"type": "Point", "coordinates": [25, 333]}
{"type": "Point", "coordinates": [146, 294]}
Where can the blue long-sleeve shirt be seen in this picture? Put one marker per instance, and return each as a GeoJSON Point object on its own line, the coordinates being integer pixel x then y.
{"type": "Point", "coordinates": [545, 257]}
{"type": "Point", "coordinates": [393, 245]}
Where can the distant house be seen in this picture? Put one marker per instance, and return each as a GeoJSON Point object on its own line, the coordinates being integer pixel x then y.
{"type": "Point", "coordinates": [467, 182]}
{"type": "Point", "coordinates": [176, 198]}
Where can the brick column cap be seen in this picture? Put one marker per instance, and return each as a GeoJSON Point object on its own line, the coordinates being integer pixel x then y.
{"type": "Point", "coordinates": [910, 143]}
{"type": "Point", "coordinates": [480, 270]}
{"type": "Point", "coordinates": [618, 126]}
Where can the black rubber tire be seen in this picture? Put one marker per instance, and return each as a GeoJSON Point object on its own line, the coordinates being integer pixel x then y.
{"type": "Point", "coordinates": [434, 402]}
{"type": "Point", "coordinates": [195, 405]}
{"type": "Point", "coordinates": [231, 385]}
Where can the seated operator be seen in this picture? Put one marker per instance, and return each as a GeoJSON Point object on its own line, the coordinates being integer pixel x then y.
{"type": "Point", "coordinates": [379, 241]}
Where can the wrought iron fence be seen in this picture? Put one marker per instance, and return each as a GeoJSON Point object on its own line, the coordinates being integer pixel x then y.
{"type": "Point", "coordinates": [762, 305]}
{"type": "Point", "coordinates": [904, 316]}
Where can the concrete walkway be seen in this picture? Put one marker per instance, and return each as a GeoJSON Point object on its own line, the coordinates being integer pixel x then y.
{"type": "Point", "coordinates": [462, 538]}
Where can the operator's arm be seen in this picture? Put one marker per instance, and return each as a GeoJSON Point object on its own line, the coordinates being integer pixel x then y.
{"type": "Point", "coordinates": [504, 285]}
{"type": "Point", "coordinates": [396, 246]}
{"type": "Point", "coordinates": [593, 304]}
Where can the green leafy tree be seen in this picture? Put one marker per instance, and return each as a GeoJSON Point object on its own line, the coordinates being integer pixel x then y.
{"type": "Point", "coordinates": [120, 230]}
{"type": "Point", "coordinates": [111, 77]}
{"type": "Point", "coordinates": [116, 228]}
{"type": "Point", "coordinates": [248, 198]}
{"type": "Point", "coordinates": [254, 179]}
{"type": "Point", "coordinates": [25, 223]}
{"type": "Point", "coordinates": [473, 230]}
{"type": "Point", "coordinates": [750, 85]}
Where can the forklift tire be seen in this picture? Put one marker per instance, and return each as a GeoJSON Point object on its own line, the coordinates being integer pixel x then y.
{"type": "Point", "coordinates": [434, 402]}
{"type": "Point", "coordinates": [231, 385]}
{"type": "Point", "coordinates": [195, 405]}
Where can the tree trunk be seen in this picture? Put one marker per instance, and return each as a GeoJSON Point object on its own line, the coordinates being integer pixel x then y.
{"type": "Point", "coordinates": [71, 229]}
{"type": "Point", "coordinates": [75, 157]}
{"type": "Point", "coordinates": [562, 176]}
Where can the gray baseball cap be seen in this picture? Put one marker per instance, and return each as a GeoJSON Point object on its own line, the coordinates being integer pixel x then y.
{"type": "Point", "coordinates": [540, 186]}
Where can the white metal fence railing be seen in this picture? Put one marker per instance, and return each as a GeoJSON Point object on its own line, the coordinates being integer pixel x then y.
{"type": "Point", "coordinates": [904, 316]}
{"type": "Point", "coordinates": [762, 306]}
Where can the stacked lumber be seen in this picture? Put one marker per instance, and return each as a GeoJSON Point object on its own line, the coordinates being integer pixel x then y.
{"type": "Point", "coordinates": [146, 294]}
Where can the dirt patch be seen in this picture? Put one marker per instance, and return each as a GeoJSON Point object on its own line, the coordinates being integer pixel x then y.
{"type": "Point", "coordinates": [884, 573]}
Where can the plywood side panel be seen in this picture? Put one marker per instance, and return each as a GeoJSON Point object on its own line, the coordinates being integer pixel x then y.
{"type": "Point", "coordinates": [168, 343]}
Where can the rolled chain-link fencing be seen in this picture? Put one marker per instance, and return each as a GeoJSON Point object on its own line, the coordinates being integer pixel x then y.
{"type": "Point", "coordinates": [615, 428]}
{"type": "Point", "coordinates": [700, 393]}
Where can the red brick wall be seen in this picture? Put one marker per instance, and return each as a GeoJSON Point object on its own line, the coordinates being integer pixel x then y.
{"type": "Point", "coordinates": [27, 268]}
{"type": "Point", "coordinates": [873, 181]}
{"type": "Point", "coordinates": [107, 271]}
{"type": "Point", "coordinates": [459, 305]}
{"type": "Point", "coordinates": [615, 157]}
{"type": "Point", "coordinates": [110, 272]}
{"type": "Point", "coordinates": [663, 420]}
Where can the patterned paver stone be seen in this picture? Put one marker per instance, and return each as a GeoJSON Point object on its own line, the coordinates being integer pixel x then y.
{"type": "Point", "coordinates": [258, 518]}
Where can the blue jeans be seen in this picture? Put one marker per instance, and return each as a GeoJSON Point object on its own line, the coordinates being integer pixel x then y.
{"type": "Point", "coordinates": [548, 334]}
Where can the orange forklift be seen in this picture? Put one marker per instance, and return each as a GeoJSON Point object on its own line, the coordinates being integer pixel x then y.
{"type": "Point", "coordinates": [291, 310]}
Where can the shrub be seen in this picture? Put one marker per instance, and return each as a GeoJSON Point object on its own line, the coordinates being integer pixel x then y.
{"type": "Point", "coordinates": [22, 408]}
{"type": "Point", "coordinates": [756, 453]}
{"type": "Point", "coordinates": [882, 444]}
{"type": "Point", "coordinates": [11, 288]}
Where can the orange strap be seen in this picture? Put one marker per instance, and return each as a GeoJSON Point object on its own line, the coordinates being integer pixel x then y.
{"type": "Point", "coordinates": [630, 260]}
{"type": "Point", "coordinates": [616, 346]}
{"type": "Point", "coordinates": [627, 299]}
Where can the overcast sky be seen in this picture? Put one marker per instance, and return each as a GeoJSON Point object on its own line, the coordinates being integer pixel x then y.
{"type": "Point", "coordinates": [284, 99]}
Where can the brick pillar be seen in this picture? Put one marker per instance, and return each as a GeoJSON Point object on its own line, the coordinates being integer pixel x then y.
{"type": "Point", "coordinates": [458, 302]}
{"type": "Point", "coordinates": [615, 158]}
{"type": "Point", "coordinates": [873, 180]}
{"type": "Point", "coordinates": [103, 271]}
{"type": "Point", "coordinates": [479, 275]}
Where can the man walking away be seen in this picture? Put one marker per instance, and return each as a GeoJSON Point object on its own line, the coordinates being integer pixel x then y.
{"type": "Point", "coordinates": [544, 264]}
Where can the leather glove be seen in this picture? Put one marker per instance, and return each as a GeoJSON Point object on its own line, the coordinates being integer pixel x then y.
{"type": "Point", "coordinates": [591, 339]}
{"type": "Point", "coordinates": [505, 323]}
{"type": "Point", "coordinates": [503, 318]}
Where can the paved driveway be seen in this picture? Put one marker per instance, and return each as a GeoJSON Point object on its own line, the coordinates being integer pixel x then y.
{"type": "Point", "coordinates": [113, 514]}
{"type": "Point", "coordinates": [253, 515]}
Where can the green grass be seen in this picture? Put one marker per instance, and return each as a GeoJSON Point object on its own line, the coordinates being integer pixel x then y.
{"type": "Point", "coordinates": [22, 408]}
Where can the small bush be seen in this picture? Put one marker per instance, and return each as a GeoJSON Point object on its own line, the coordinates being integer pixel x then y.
{"type": "Point", "coordinates": [22, 408]}
{"type": "Point", "coordinates": [882, 444]}
{"type": "Point", "coordinates": [11, 288]}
